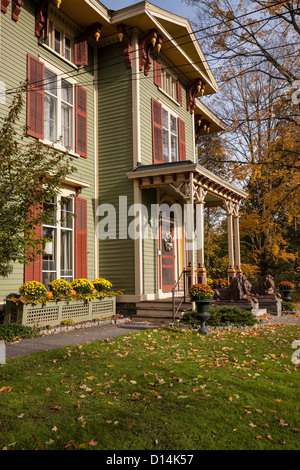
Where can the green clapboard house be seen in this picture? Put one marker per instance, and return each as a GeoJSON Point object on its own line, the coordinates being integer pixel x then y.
{"type": "Point", "coordinates": [123, 89]}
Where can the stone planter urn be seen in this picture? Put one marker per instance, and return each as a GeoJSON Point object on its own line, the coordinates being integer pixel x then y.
{"type": "Point", "coordinates": [286, 288]}
{"type": "Point", "coordinates": [286, 294]}
{"type": "Point", "coordinates": [203, 315]}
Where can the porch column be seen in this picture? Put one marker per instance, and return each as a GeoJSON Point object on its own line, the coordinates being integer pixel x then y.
{"type": "Point", "coordinates": [202, 273]}
{"type": "Point", "coordinates": [236, 228]}
{"type": "Point", "coordinates": [191, 214]}
{"type": "Point", "coordinates": [229, 206]}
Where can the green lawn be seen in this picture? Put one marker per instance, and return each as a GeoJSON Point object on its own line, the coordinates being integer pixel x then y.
{"type": "Point", "coordinates": [162, 389]}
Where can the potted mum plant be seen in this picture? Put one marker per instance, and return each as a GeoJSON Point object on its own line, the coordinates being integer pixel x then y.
{"type": "Point", "coordinates": [202, 295]}
{"type": "Point", "coordinates": [286, 288]}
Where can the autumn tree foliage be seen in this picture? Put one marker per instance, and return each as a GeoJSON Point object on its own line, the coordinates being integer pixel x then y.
{"type": "Point", "coordinates": [253, 48]}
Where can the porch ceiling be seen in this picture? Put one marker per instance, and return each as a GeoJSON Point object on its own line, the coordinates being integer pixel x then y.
{"type": "Point", "coordinates": [177, 176]}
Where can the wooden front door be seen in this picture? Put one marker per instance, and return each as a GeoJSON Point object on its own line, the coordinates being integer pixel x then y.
{"type": "Point", "coordinates": [167, 254]}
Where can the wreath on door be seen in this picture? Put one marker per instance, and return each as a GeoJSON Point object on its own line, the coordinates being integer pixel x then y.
{"type": "Point", "coordinates": [168, 242]}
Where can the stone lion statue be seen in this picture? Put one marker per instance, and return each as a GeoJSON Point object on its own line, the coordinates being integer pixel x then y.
{"type": "Point", "coordinates": [265, 287]}
{"type": "Point", "coordinates": [239, 289]}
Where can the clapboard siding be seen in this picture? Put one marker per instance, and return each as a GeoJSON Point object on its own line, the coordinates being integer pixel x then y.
{"type": "Point", "coordinates": [17, 40]}
{"type": "Point", "coordinates": [115, 159]}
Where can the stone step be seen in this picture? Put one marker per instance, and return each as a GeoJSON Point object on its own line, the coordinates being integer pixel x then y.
{"type": "Point", "coordinates": [160, 305]}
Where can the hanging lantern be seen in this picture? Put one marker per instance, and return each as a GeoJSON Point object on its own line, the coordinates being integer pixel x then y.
{"type": "Point", "coordinates": [153, 40]}
{"type": "Point", "coordinates": [97, 35]}
{"type": "Point", "coordinates": [158, 47]}
{"type": "Point", "coordinates": [120, 36]}
{"type": "Point", "coordinates": [58, 3]}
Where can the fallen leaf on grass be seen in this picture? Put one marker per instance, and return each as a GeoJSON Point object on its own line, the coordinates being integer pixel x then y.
{"type": "Point", "coordinates": [6, 389]}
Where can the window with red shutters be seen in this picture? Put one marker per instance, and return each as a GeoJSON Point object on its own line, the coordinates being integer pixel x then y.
{"type": "Point", "coordinates": [35, 97]}
{"type": "Point", "coordinates": [80, 51]}
{"type": "Point", "coordinates": [81, 121]}
{"type": "Point", "coordinates": [157, 132]}
{"type": "Point", "coordinates": [33, 270]}
{"type": "Point", "coordinates": [181, 140]}
{"type": "Point", "coordinates": [157, 73]}
{"type": "Point", "coordinates": [81, 238]}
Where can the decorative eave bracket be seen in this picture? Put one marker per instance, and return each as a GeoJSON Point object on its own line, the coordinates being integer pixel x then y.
{"type": "Point", "coordinates": [196, 87]}
{"type": "Point", "coordinates": [124, 37]}
{"type": "Point", "coordinates": [200, 125]}
{"type": "Point", "coordinates": [41, 18]}
{"type": "Point", "coordinates": [4, 5]}
{"type": "Point", "coordinates": [15, 8]}
{"type": "Point", "coordinates": [151, 40]}
{"type": "Point", "coordinates": [92, 30]}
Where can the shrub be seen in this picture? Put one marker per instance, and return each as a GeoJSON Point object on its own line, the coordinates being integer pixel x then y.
{"type": "Point", "coordinates": [12, 331]}
{"type": "Point", "coordinates": [289, 306]}
{"type": "Point", "coordinates": [60, 288]}
{"type": "Point", "coordinates": [222, 316]}
{"type": "Point", "coordinates": [102, 284]}
{"type": "Point", "coordinates": [82, 286]}
{"type": "Point", "coordinates": [33, 291]}
{"type": "Point", "coordinates": [219, 283]}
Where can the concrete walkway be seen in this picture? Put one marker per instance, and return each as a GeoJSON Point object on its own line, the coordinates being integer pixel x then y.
{"type": "Point", "coordinates": [88, 335]}
{"type": "Point", "coordinates": [73, 337]}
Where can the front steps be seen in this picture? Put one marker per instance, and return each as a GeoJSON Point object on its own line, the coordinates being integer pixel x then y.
{"type": "Point", "coordinates": [159, 311]}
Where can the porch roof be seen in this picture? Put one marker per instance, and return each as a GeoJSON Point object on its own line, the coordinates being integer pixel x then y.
{"type": "Point", "coordinates": [178, 176]}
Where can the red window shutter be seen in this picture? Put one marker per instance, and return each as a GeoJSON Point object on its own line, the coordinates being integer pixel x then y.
{"type": "Point", "coordinates": [35, 97]}
{"type": "Point", "coordinates": [157, 73]}
{"type": "Point", "coordinates": [157, 132]}
{"type": "Point", "coordinates": [80, 51]}
{"type": "Point", "coordinates": [181, 140]}
{"type": "Point", "coordinates": [33, 271]}
{"type": "Point", "coordinates": [179, 92]}
{"type": "Point", "coordinates": [81, 121]}
{"type": "Point", "coordinates": [81, 238]}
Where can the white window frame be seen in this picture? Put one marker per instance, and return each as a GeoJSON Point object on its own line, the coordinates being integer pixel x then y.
{"type": "Point", "coordinates": [64, 33]}
{"type": "Point", "coordinates": [169, 131]}
{"type": "Point", "coordinates": [58, 228]}
{"type": "Point", "coordinates": [60, 75]}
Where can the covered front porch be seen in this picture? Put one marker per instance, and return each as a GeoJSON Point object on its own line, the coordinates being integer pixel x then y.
{"type": "Point", "coordinates": [182, 191]}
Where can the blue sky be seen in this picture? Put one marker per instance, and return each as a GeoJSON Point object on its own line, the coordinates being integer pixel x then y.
{"type": "Point", "coordinates": [174, 6]}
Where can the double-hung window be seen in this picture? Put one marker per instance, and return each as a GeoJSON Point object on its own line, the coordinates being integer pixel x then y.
{"type": "Point", "coordinates": [58, 251]}
{"type": "Point", "coordinates": [58, 109]}
{"type": "Point", "coordinates": [168, 135]}
{"type": "Point", "coordinates": [59, 41]}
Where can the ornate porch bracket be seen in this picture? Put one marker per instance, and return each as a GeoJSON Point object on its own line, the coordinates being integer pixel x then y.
{"type": "Point", "coordinates": [196, 87]}
{"type": "Point", "coordinates": [147, 45]}
{"type": "Point", "coordinates": [125, 38]}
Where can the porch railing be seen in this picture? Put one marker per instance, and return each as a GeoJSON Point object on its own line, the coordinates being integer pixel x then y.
{"type": "Point", "coordinates": [179, 293]}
